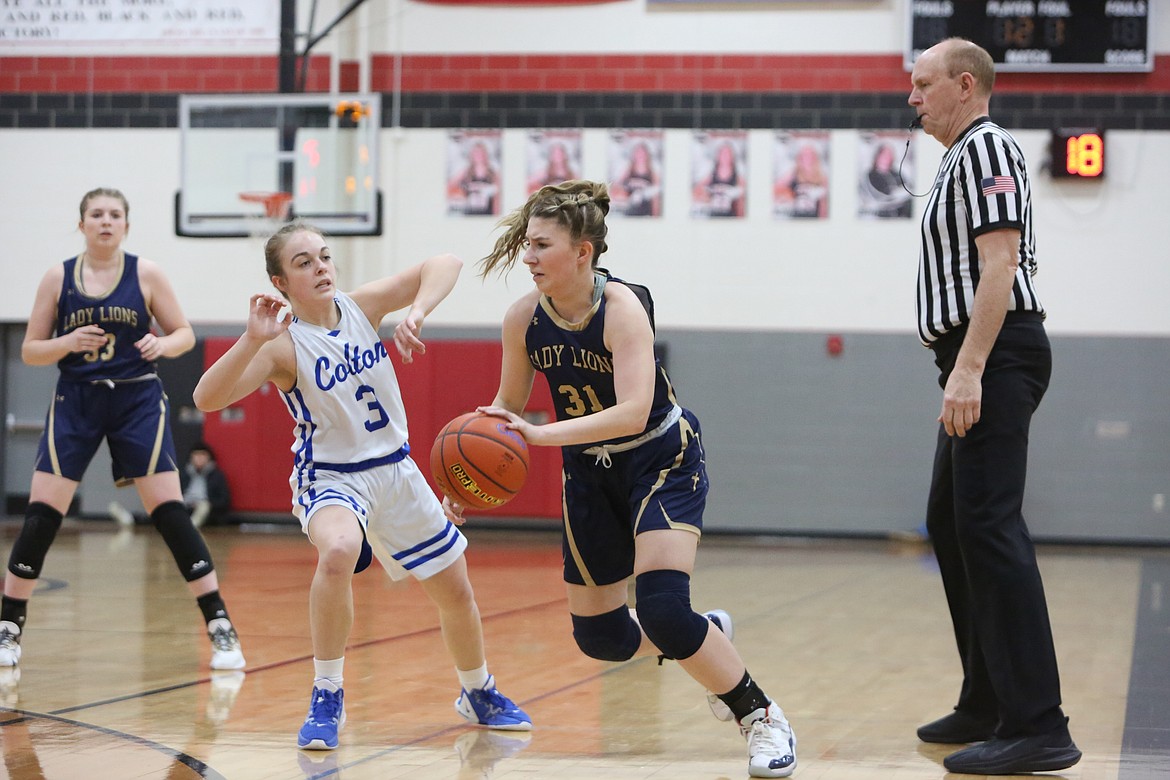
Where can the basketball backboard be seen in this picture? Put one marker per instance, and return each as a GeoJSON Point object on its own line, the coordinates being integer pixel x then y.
{"type": "Point", "coordinates": [238, 153]}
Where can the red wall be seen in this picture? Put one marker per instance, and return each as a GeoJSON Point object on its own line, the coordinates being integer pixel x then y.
{"type": "Point", "coordinates": [253, 438]}
{"type": "Point", "coordinates": [533, 73]}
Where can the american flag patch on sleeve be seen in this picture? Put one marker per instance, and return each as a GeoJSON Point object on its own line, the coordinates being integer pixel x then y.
{"type": "Point", "coordinates": [995, 185]}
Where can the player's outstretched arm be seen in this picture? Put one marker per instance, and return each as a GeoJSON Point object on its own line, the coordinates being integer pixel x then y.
{"type": "Point", "coordinates": [421, 288]}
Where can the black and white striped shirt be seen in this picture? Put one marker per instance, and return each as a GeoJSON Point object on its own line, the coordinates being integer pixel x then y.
{"type": "Point", "coordinates": [982, 185]}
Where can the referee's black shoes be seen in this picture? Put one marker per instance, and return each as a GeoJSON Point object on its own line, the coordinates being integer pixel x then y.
{"type": "Point", "coordinates": [957, 728]}
{"type": "Point", "coordinates": [1018, 755]}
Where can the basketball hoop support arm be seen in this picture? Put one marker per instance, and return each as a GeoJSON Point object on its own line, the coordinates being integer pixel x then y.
{"type": "Point", "coordinates": [288, 54]}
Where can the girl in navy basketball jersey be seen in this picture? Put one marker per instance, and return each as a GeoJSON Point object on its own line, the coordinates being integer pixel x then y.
{"type": "Point", "coordinates": [356, 491]}
{"type": "Point", "coordinates": [635, 483]}
{"type": "Point", "coordinates": [92, 317]}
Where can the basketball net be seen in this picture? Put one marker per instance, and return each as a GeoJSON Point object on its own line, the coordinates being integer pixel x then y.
{"type": "Point", "coordinates": [274, 212]}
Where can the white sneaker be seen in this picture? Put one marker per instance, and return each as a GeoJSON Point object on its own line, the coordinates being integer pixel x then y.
{"type": "Point", "coordinates": [121, 515]}
{"type": "Point", "coordinates": [770, 742]}
{"type": "Point", "coordinates": [9, 643]}
{"type": "Point", "coordinates": [225, 645]}
{"type": "Point", "coordinates": [722, 621]}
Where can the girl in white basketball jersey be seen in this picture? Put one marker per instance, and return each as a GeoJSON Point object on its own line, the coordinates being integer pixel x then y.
{"type": "Point", "coordinates": [354, 485]}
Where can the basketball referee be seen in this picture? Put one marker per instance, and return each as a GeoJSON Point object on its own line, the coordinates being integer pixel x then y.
{"type": "Point", "coordinates": [979, 313]}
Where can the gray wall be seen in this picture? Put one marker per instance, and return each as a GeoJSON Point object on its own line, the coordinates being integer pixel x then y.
{"type": "Point", "coordinates": [799, 441]}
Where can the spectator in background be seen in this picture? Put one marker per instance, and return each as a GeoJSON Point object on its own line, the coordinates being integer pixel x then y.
{"type": "Point", "coordinates": [205, 488]}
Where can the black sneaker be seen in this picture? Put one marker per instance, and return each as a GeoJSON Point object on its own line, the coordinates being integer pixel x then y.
{"type": "Point", "coordinates": [1016, 756]}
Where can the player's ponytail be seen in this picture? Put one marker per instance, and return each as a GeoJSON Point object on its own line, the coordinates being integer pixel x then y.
{"type": "Point", "coordinates": [579, 205]}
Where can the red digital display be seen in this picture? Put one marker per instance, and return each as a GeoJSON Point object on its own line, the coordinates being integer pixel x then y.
{"type": "Point", "coordinates": [1078, 154]}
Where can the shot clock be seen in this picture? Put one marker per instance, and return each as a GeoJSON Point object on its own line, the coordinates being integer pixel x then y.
{"type": "Point", "coordinates": [1078, 153]}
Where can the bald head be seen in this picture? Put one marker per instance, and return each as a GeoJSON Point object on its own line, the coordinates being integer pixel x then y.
{"type": "Point", "coordinates": [962, 56]}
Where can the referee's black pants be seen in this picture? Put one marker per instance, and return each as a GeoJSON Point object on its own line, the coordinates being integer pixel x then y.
{"type": "Point", "coordinates": [985, 554]}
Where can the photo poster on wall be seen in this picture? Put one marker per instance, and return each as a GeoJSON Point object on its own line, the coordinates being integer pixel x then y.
{"type": "Point", "coordinates": [801, 175]}
{"type": "Point", "coordinates": [473, 172]}
{"type": "Point", "coordinates": [719, 174]}
{"type": "Point", "coordinates": [554, 156]}
{"type": "Point", "coordinates": [881, 173]}
{"type": "Point", "coordinates": [635, 172]}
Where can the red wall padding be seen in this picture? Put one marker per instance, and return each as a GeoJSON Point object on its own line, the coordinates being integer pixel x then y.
{"type": "Point", "coordinates": [252, 439]}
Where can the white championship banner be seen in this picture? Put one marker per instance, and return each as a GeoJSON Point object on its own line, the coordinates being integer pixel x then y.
{"type": "Point", "coordinates": [109, 25]}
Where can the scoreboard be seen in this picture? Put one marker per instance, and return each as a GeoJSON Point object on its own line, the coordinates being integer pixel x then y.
{"type": "Point", "coordinates": [1043, 36]}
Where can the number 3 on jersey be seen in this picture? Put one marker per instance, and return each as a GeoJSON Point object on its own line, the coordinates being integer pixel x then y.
{"type": "Point", "coordinates": [379, 418]}
{"type": "Point", "coordinates": [102, 353]}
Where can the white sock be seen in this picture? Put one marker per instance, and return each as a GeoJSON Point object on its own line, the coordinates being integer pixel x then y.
{"type": "Point", "coordinates": [473, 678]}
{"type": "Point", "coordinates": [329, 672]}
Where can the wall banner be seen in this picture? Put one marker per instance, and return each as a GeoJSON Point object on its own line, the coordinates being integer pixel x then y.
{"type": "Point", "coordinates": [179, 22]}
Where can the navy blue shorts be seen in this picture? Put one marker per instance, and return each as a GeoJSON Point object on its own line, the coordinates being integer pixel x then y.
{"type": "Point", "coordinates": [131, 416]}
{"type": "Point", "coordinates": [661, 484]}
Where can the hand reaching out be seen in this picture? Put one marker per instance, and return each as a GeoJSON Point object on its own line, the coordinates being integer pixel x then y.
{"type": "Point", "coordinates": [406, 337]}
{"type": "Point", "coordinates": [264, 320]}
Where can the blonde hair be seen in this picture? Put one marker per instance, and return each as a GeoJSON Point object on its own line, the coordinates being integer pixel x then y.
{"type": "Point", "coordinates": [275, 244]}
{"type": "Point", "coordinates": [580, 206]}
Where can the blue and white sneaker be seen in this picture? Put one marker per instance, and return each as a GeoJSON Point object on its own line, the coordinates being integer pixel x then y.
{"type": "Point", "coordinates": [486, 706]}
{"type": "Point", "coordinates": [722, 621]}
{"type": "Point", "coordinates": [326, 717]}
{"type": "Point", "coordinates": [771, 743]}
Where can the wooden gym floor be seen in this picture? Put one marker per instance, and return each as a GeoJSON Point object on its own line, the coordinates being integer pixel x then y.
{"type": "Point", "coordinates": [850, 637]}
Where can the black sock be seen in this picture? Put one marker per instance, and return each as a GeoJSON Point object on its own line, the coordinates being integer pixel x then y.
{"type": "Point", "coordinates": [745, 698]}
{"type": "Point", "coordinates": [212, 606]}
{"type": "Point", "coordinates": [14, 610]}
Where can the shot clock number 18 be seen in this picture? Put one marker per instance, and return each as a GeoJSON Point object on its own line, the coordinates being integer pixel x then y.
{"type": "Point", "coordinates": [1078, 154]}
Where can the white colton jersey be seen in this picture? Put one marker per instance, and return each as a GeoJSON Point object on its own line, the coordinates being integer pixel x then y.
{"type": "Point", "coordinates": [346, 402]}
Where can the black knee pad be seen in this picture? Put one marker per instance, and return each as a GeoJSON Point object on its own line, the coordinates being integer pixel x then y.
{"type": "Point", "coordinates": [613, 636]}
{"type": "Point", "coordinates": [41, 523]}
{"type": "Point", "coordinates": [664, 610]}
{"type": "Point", "coordinates": [189, 550]}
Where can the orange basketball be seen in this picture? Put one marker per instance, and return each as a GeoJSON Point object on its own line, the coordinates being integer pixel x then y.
{"type": "Point", "coordinates": [479, 462]}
